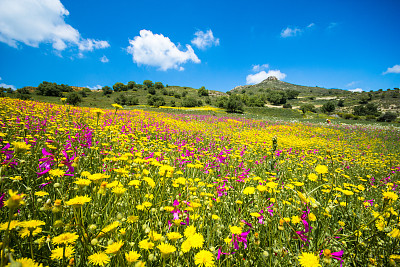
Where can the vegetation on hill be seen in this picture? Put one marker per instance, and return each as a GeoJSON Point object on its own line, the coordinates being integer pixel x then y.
{"type": "Point", "coordinates": [381, 105]}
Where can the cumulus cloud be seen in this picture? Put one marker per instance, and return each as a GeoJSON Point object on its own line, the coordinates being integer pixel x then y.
{"type": "Point", "coordinates": [262, 75]}
{"type": "Point", "coordinates": [260, 67]}
{"type": "Point", "coordinates": [104, 59]}
{"type": "Point", "coordinates": [394, 69]}
{"type": "Point", "coordinates": [158, 51]}
{"type": "Point", "coordinates": [33, 22]}
{"type": "Point", "coordinates": [357, 90]}
{"type": "Point", "coordinates": [204, 40]}
{"type": "Point", "coordinates": [7, 85]}
{"type": "Point", "coordinates": [96, 87]}
{"type": "Point", "coordinates": [295, 31]}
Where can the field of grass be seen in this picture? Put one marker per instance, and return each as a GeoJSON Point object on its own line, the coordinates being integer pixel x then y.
{"type": "Point", "coordinates": [166, 187]}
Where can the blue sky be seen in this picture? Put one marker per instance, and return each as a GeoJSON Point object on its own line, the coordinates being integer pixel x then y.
{"type": "Point", "coordinates": [217, 44]}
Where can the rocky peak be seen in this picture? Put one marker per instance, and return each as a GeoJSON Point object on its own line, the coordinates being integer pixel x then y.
{"type": "Point", "coordinates": [271, 78]}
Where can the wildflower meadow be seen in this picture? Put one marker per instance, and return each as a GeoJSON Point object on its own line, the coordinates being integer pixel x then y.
{"type": "Point", "coordinates": [92, 187]}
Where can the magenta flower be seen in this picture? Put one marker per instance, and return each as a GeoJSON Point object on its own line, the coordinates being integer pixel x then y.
{"type": "Point", "coordinates": [335, 255]}
{"type": "Point", "coordinates": [46, 162]}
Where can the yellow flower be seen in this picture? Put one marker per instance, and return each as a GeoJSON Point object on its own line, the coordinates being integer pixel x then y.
{"type": "Point", "coordinates": [15, 199]}
{"type": "Point", "coordinates": [78, 201]}
{"type": "Point", "coordinates": [132, 256]}
{"type": "Point", "coordinates": [321, 169]}
{"type": "Point", "coordinates": [307, 259]}
{"type": "Point", "coordinates": [296, 219]}
{"type": "Point", "coordinates": [66, 238]}
{"type": "Point", "coordinates": [132, 219]}
{"type": "Point", "coordinates": [32, 224]}
{"type": "Point", "coordinates": [145, 244]}
{"type": "Point", "coordinates": [116, 106]}
{"type": "Point", "coordinates": [173, 236]}
{"type": "Point", "coordinates": [186, 246]}
{"type": "Point", "coordinates": [204, 258]}
{"type": "Point", "coordinates": [26, 262]}
{"type": "Point", "coordinates": [109, 228]}
{"type": "Point", "coordinates": [166, 250]}
{"type": "Point", "coordinates": [41, 193]}
{"type": "Point", "coordinates": [190, 230]}
{"type": "Point", "coordinates": [119, 191]}
{"type": "Point", "coordinates": [82, 182]}
{"type": "Point", "coordinates": [215, 217]}
{"type": "Point", "coordinates": [99, 258]}
{"type": "Point", "coordinates": [312, 217]}
{"type": "Point", "coordinates": [57, 173]}
{"type": "Point", "coordinates": [395, 233]}
{"type": "Point", "coordinates": [154, 236]}
{"type": "Point", "coordinates": [57, 253]}
{"type": "Point", "coordinates": [235, 230]}
{"type": "Point", "coordinates": [312, 177]}
{"type": "Point", "coordinates": [114, 247]}
{"type": "Point", "coordinates": [24, 232]}
{"type": "Point", "coordinates": [249, 190]}
{"type": "Point", "coordinates": [20, 147]}
{"type": "Point", "coordinates": [13, 225]}
{"type": "Point", "coordinates": [390, 195]}
{"type": "Point", "coordinates": [196, 240]}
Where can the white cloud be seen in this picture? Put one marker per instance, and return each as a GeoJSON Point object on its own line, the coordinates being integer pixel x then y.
{"type": "Point", "coordinates": [357, 90]}
{"type": "Point", "coordinates": [8, 86]}
{"type": "Point", "coordinates": [158, 51]}
{"type": "Point", "coordinates": [96, 87]}
{"type": "Point", "coordinates": [104, 59]}
{"type": "Point", "coordinates": [350, 84]}
{"type": "Point", "coordinates": [262, 75]}
{"type": "Point", "coordinates": [289, 32]}
{"type": "Point", "coordinates": [294, 31]}
{"type": "Point", "coordinates": [33, 22]}
{"type": "Point", "coordinates": [260, 67]}
{"type": "Point", "coordinates": [204, 40]}
{"type": "Point", "coordinates": [394, 69]}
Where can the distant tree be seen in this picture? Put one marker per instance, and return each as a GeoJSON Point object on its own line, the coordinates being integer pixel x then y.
{"type": "Point", "coordinates": [121, 100]}
{"type": "Point", "coordinates": [164, 91]}
{"type": "Point", "coordinates": [292, 94]}
{"type": "Point", "coordinates": [207, 100]}
{"type": "Point", "coordinates": [184, 93]}
{"type": "Point", "coordinates": [222, 101]}
{"type": "Point", "coordinates": [277, 97]}
{"type": "Point", "coordinates": [308, 107]}
{"type": "Point", "coordinates": [148, 83]}
{"type": "Point", "coordinates": [190, 102]}
{"type": "Point", "coordinates": [254, 101]}
{"type": "Point", "coordinates": [119, 87]}
{"type": "Point", "coordinates": [158, 85]}
{"type": "Point", "coordinates": [107, 90]}
{"type": "Point", "coordinates": [74, 98]}
{"type": "Point", "coordinates": [131, 101]}
{"type": "Point", "coordinates": [23, 91]}
{"type": "Point", "coordinates": [152, 91]}
{"type": "Point", "coordinates": [48, 89]}
{"type": "Point", "coordinates": [234, 104]}
{"type": "Point", "coordinates": [156, 101]}
{"type": "Point", "coordinates": [328, 107]}
{"type": "Point", "coordinates": [202, 91]}
{"type": "Point", "coordinates": [177, 95]}
{"type": "Point", "coordinates": [340, 103]}
{"type": "Point", "coordinates": [131, 85]}
{"type": "Point", "coordinates": [369, 109]}
{"type": "Point", "coordinates": [387, 117]}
